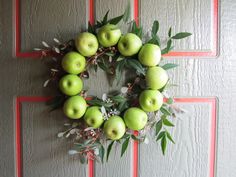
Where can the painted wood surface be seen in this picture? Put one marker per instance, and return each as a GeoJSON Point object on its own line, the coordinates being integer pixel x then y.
{"type": "Point", "coordinates": [43, 155]}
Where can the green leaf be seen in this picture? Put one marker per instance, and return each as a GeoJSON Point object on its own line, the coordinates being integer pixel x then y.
{"type": "Point", "coordinates": [169, 32]}
{"type": "Point", "coordinates": [169, 66]}
{"type": "Point", "coordinates": [127, 13]}
{"type": "Point", "coordinates": [181, 35]}
{"type": "Point", "coordinates": [158, 126]}
{"type": "Point", "coordinates": [104, 21]}
{"type": "Point", "coordinates": [101, 152]}
{"type": "Point", "coordinates": [135, 64]}
{"type": "Point", "coordinates": [137, 30]}
{"type": "Point", "coordinates": [170, 101]}
{"type": "Point", "coordinates": [115, 20]}
{"type": "Point", "coordinates": [122, 106]}
{"type": "Point", "coordinates": [56, 102]}
{"type": "Point", "coordinates": [165, 111]}
{"type": "Point", "coordinates": [103, 66]}
{"type": "Point", "coordinates": [119, 68]}
{"type": "Point", "coordinates": [160, 135]}
{"type": "Point", "coordinates": [99, 102]}
{"type": "Point", "coordinates": [83, 159]}
{"type": "Point", "coordinates": [91, 28]}
{"type": "Point", "coordinates": [119, 98]}
{"type": "Point", "coordinates": [167, 123]}
{"type": "Point", "coordinates": [155, 27]}
{"type": "Point", "coordinates": [109, 149]}
{"type": "Point", "coordinates": [163, 144]}
{"type": "Point", "coordinates": [135, 138]}
{"type": "Point", "coordinates": [110, 54]}
{"type": "Point", "coordinates": [168, 47]}
{"type": "Point", "coordinates": [155, 40]}
{"type": "Point", "coordinates": [124, 146]}
{"type": "Point", "coordinates": [120, 58]}
{"type": "Point", "coordinates": [169, 137]}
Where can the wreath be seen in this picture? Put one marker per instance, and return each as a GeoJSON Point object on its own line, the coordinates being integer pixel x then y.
{"type": "Point", "coordinates": [141, 105]}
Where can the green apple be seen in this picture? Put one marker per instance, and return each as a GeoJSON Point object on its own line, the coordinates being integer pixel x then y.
{"type": "Point", "coordinates": [93, 117]}
{"type": "Point", "coordinates": [129, 44]}
{"type": "Point", "coordinates": [109, 35]}
{"type": "Point", "coordinates": [87, 44]}
{"type": "Point", "coordinates": [70, 84]}
{"type": "Point", "coordinates": [114, 128]}
{"type": "Point", "coordinates": [156, 77]}
{"type": "Point", "coordinates": [150, 55]}
{"type": "Point", "coordinates": [150, 100]}
{"type": "Point", "coordinates": [135, 118]}
{"type": "Point", "coordinates": [73, 63]}
{"type": "Point", "coordinates": [75, 107]}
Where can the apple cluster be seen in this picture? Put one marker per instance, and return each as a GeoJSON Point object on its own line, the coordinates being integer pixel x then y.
{"type": "Point", "coordinates": [71, 84]}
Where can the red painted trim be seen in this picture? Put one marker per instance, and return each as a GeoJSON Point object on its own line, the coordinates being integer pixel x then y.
{"type": "Point", "coordinates": [135, 157]}
{"type": "Point", "coordinates": [136, 11]}
{"type": "Point", "coordinates": [90, 168]}
{"type": "Point", "coordinates": [91, 11]}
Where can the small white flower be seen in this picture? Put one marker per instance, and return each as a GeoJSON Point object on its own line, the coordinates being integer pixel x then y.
{"type": "Point", "coordinates": [46, 83]}
{"type": "Point", "coordinates": [104, 113]}
{"type": "Point", "coordinates": [88, 129]}
{"type": "Point", "coordinates": [146, 140]}
{"type": "Point", "coordinates": [72, 152]}
{"type": "Point", "coordinates": [104, 97]}
{"type": "Point", "coordinates": [124, 90]}
{"type": "Point", "coordinates": [114, 112]}
{"type": "Point", "coordinates": [45, 44]}
{"type": "Point", "coordinates": [96, 151]}
{"type": "Point", "coordinates": [67, 124]}
{"type": "Point", "coordinates": [56, 40]}
{"type": "Point", "coordinates": [59, 135]}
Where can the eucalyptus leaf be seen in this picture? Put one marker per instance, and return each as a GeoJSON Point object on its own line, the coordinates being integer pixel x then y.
{"type": "Point", "coordinates": [98, 102]}
{"type": "Point", "coordinates": [170, 101]}
{"type": "Point", "coordinates": [127, 13]}
{"type": "Point", "coordinates": [101, 152]}
{"type": "Point", "coordinates": [104, 21]}
{"type": "Point", "coordinates": [169, 66]}
{"type": "Point", "coordinates": [169, 32]}
{"type": "Point", "coordinates": [124, 146]}
{"type": "Point", "coordinates": [158, 126]}
{"type": "Point", "coordinates": [165, 111]}
{"type": "Point", "coordinates": [119, 98]}
{"type": "Point", "coordinates": [135, 64]}
{"type": "Point", "coordinates": [155, 27]}
{"type": "Point", "coordinates": [115, 20]}
{"type": "Point", "coordinates": [161, 134]}
{"type": "Point", "coordinates": [109, 149]}
{"type": "Point", "coordinates": [169, 137]}
{"type": "Point", "coordinates": [181, 35]}
{"type": "Point", "coordinates": [163, 144]}
{"type": "Point", "coordinates": [122, 106]}
{"type": "Point", "coordinates": [168, 123]}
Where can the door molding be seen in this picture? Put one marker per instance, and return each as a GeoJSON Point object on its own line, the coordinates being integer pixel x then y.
{"type": "Point", "coordinates": [212, 101]}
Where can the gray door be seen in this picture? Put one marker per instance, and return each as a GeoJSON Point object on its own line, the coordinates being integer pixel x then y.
{"type": "Point", "coordinates": [206, 77]}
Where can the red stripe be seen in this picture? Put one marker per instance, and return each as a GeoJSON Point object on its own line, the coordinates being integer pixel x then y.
{"type": "Point", "coordinates": [91, 168]}
{"type": "Point", "coordinates": [136, 11]}
{"type": "Point", "coordinates": [91, 12]}
{"type": "Point", "coordinates": [18, 139]}
{"type": "Point", "coordinates": [135, 156]}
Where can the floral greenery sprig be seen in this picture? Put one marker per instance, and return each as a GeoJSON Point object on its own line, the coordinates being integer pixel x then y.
{"type": "Point", "coordinates": [89, 141]}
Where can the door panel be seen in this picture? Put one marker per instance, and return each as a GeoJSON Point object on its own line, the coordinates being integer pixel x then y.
{"type": "Point", "coordinates": [190, 156]}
